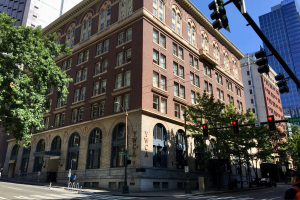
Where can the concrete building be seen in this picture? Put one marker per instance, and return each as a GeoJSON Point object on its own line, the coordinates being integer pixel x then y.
{"type": "Point", "coordinates": [36, 12]}
{"type": "Point", "coordinates": [150, 56]}
{"type": "Point", "coordinates": [282, 27]}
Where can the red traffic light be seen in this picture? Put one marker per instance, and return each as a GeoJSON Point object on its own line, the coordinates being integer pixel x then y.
{"type": "Point", "coordinates": [270, 119]}
{"type": "Point", "coordinates": [204, 126]}
{"type": "Point", "coordinates": [234, 122]}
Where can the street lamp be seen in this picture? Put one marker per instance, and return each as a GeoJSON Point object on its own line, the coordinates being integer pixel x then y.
{"type": "Point", "coordinates": [125, 187]}
{"type": "Point", "coordinates": [187, 186]}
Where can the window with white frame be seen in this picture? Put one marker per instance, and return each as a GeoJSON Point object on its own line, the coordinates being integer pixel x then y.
{"type": "Point", "coordinates": [82, 93]}
{"type": "Point", "coordinates": [97, 68]}
{"type": "Point", "coordinates": [193, 97]}
{"type": "Point", "coordinates": [175, 49]}
{"type": "Point", "coordinates": [62, 119]}
{"type": "Point", "coordinates": [163, 105]}
{"type": "Point", "coordinates": [120, 38]}
{"type": "Point", "coordinates": [80, 114]}
{"type": "Point", "coordinates": [56, 121]}
{"type": "Point", "coordinates": [118, 82]}
{"type": "Point", "coordinates": [84, 74]}
{"type": "Point", "coordinates": [125, 8]}
{"type": "Point", "coordinates": [117, 104]}
{"type": "Point", "coordinates": [176, 110]}
{"type": "Point", "coordinates": [207, 70]}
{"type": "Point", "coordinates": [128, 56]}
{"type": "Point", "coordinates": [155, 57]}
{"type": "Point", "coordinates": [162, 41]}
{"type": "Point", "coordinates": [192, 80]}
{"type": "Point", "coordinates": [155, 102]}
{"type": "Point", "coordinates": [191, 32]}
{"type": "Point", "coordinates": [70, 36]}
{"type": "Point", "coordinates": [104, 65]}
{"type": "Point", "coordinates": [158, 9]}
{"type": "Point", "coordinates": [99, 49]}
{"type": "Point", "coordinates": [216, 52]}
{"type": "Point", "coordinates": [204, 42]}
{"type": "Point", "coordinates": [155, 79]}
{"type": "Point", "coordinates": [162, 61]}
{"type": "Point", "coordinates": [182, 111]}
{"type": "Point", "coordinates": [76, 95]}
{"type": "Point", "coordinates": [155, 36]}
{"type": "Point", "coordinates": [69, 64]}
{"type": "Point", "coordinates": [176, 20]}
{"type": "Point", "coordinates": [127, 77]}
{"type": "Point", "coordinates": [61, 103]}
{"type": "Point", "coordinates": [96, 89]}
{"type": "Point", "coordinates": [104, 17]}
{"type": "Point", "coordinates": [176, 89]}
{"type": "Point", "coordinates": [180, 53]}
{"type": "Point", "coordinates": [182, 91]}
{"type": "Point", "coordinates": [64, 66]}
{"type": "Point", "coordinates": [197, 82]}
{"type": "Point", "coordinates": [235, 70]}
{"type": "Point", "coordinates": [94, 110]}
{"type": "Point", "coordinates": [101, 108]}
{"type": "Point", "coordinates": [119, 59]}
{"type": "Point", "coordinates": [86, 55]}
{"type": "Point", "coordinates": [226, 62]}
{"type": "Point", "coordinates": [126, 102]}
{"type": "Point", "coordinates": [106, 46]}
{"type": "Point", "coordinates": [86, 27]}
{"type": "Point", "coordinates": [163, 81]}
{"type": "Point", "coordinates": [128, 34]}
{"type": "Point", "coordinates": [74, 116]}
{"type": "Point", "coordinates": [103, 86]}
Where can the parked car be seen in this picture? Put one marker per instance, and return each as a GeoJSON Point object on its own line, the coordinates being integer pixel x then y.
{"type": "Point", "coordinates": [267, 182]}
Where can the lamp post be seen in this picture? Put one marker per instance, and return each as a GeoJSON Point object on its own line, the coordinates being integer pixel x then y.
{"type": "Point", "coordinates": [187, 186]}
{"type": "Point", "coordinates": [125, 187]}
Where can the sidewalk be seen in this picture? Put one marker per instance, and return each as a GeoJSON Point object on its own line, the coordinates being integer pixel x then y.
{"type": "Point", "coordinates": [136, 194]}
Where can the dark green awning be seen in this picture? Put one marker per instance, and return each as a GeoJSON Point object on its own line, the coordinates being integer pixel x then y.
{"type": "Point", "coordinates": [46, 153]}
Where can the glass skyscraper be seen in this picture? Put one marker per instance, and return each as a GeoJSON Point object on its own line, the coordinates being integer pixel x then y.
{"type": "Point", "coordinates": [282, 28]}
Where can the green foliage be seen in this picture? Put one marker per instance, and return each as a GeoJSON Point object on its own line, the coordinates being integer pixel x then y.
{"type": "Point", "coordinates": [293, 145]}
{"type": "Point", "coordinates": [27, 69]}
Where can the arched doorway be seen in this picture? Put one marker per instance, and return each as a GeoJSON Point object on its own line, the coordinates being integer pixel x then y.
{"type": "Point", "coordinates": [159, 146]}
{"type": "Point", "coordinates": [118, 146]}
{"type": "Point", "coordinates": [53, 162]}
{"type": "Point", "coordinates": [73, 152]}
{"type": "Point", "coordinates": [94, 149]}
{"type": "Point", "coordinates": [180, 149]}
{"type": "Point", "coordinates": [25, 160]}
{"type": "Point", "coordinates": [13, 160]}
{"type": "Point", "coordinates": [39, 160]}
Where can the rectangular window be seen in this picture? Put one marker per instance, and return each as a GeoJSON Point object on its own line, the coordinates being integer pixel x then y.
{"type": "Point", "coordinates": [128, 56]}
{"type": "Point", "coordinates": [162, 61]}
{"type": "Point", "coordinates": [101, 108]}
{"type": "Point", "coordinates": [94, 111]}
{"type": "Point", "coordinates": [222, 95]}
{"type": "Point", "coordinates": [182, 113]}
{"type": "Point", "coordinates": [196, 63]}
{"type": "Point", "coordinates": [128, 35]}
{"type": "Point", "coordinates": [161, 16]}
{"type": "Point", "coordinates": [155, 36]}
{"type": "Point", "coordinates": [82, 94]}
{"type": "Point", "coordinates": [101, 26]}
{"type": "Point", "coordinates": [46, 123]}
{"type": "Point", "coordinates": [99, 49]}
{"type": "Point", "coordinates": [155, 57]}
{"type": "Point", "coordinates": [197, 83]}
{"type": "Point", "coordinates": [162, 41]}
{"type": "Point", "coordinates": [174, 49]}
{"type": "Point", "coordinates": [176, 88]}
{"type": "Point", "coordinates": [96, 89]}
{"type": "Point", "coordinates": [193, 97]}
{"type": "Point", "coordinates": [62, 119]}
{"type": "Point", "coordinates": [155, 79]}
{"type": "Point", "coordinates": [228, 98]}
{"type": "Point", "coordinates": [204, 70]}
{"type": "Point", "coordinates": [56, 123]}
{"type": "Point", "coordinates": [106, 46]}
{"type": "Point", "coordinates": [155, 102]}
{"type": "Point", "coordinates": [220, 80]}
{"type": "Point", "coordinates": [250, 91]}
{"type": "Point", "coordinates": [218, 93]}
{"type": "Point", "coordinates": [154, 11]}
{"type": "Point", "coordinates": [182, 92]}
{"type": "Point", "coordinates": [103, 86]}
{"type": "Point", "coordinates": [118, 83]}
{"type": "Point", "coordinates": [126, 102]}
{"type": "Point", "coordinates": [127, 77]}
{"type": "Point", "coordinates": [119, 59]}
{"type": "Point", "coordinates": [120, 38]}
{"type": "Point", "coordinates": [74, 116]}
{"type": "Point", "coordinates": [176, 109]}
{"type": "Point", "coordinates": [80, 114]}
{"type": "Point", "coordinates": [205, 86]}
{"type": "Point", "coordinates": [181, 72]}
{"type": "Point", "coordinates": [69, 63]}
{"type": "Point", "coordinates": [108, 23]}
{"type": "Point", "coordinates": [175, 68]}
{"type": "Point", "coordinates": [163, 105]}
{"type": "Point", "coordinates": [163, 82]}
{"type": "Point", "coordinates": [97, 68]}
{"type": "Point", "coordinates": [192, 81]}
{"type": "Point", "coordinates": [117, 105]}
{"type": "Point", "coordinates": [78, 76]}
{"type": "Point", "coordinates": [84, 74]}
{"type": "Point", "coordinates": [104, 65]}
{"type": "Point", "coordinates": [76, 96]}
{"type": "Point", "coordinates": [89, 34]}
{"type": "Point", "coordinates": [210, 91]}
{"type": "Point", "coordinates": [180, 53]}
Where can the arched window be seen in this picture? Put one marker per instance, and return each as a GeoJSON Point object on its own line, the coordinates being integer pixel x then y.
{"type": "Point", "coordinates": [226, 62]}
{"type": "Point", "coordinates": [180, 149]}
{"type": "Point", "coordinates": [235, 70]}
{"type": "Point", "coordinates": [159, 146]}
{"type": "Point", "coordinates": [125, 8]}
{"type": "Point", "coordinates": [39, 161]}
{"type": "Point", "coordinates": [199, 150]}
{"type": "Point", "coordinates": [159, 9]}
{"type": "Point", "coordinates": [118, 146]}
{"type": "Point", "coordinates": [56, 144]}
{"type": "Point", "coordinates": [94, 150]}
{"type": "Point", "coordinates": [216, 52]}
{"type": "Point", "coordinates": [73, 151]}
{"type": "Point", "coordinates": [191, 32]}
{"type": "Point", "coordinates": [25, 159]}
{"type": "Point", "coordinates": [176, 20]}
{"type": "Point", "coordinates": [70, 36]}
{"type": "Point", "coordinates": [58, 38]}
{"type": "Point", "coordinates": [14, 152]}
{"type": "Point", "coordinates": [86, 28]}
{"type": "Point", "coordinates": [104, 17]}
{"type": "Point", "coordinates": [204, 42]}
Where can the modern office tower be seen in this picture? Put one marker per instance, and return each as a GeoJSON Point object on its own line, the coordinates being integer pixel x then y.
{"type": "Point", "coordinates": [36, 12]}
{"type": "Point", "coordinates": [149, 57]}
{"type": "Point", "coordinates": [282, 28]}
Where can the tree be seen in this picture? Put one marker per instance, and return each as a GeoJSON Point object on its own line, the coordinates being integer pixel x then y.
{"type": "Point", "coordinates": [27, 70]}
{"type": "Point", "coordinates": [294, 145]}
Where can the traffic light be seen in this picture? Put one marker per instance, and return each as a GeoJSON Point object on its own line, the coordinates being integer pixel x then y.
{"type": "Point", "coordinates": [271, 123]}
{"type": "Point", "coordinates": [262, 61]}
{"type": "Point", "coordinates": [281, 83]}
{"type": "Point", "coordinates": [235, 127]}
{"type": "Point", "coordinates": [219, 15]}
{"type": "Point", "coordinates": [205, 130]}
{"type": "Point", "coordinates": [128, 162]}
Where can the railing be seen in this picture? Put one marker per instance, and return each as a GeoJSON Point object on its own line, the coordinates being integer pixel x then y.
{"type": "Point", "coordinates": [74, 187]}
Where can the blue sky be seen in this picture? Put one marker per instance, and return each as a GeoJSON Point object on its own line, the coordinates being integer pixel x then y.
{"type": "Point", "coordinates": [241, 35]}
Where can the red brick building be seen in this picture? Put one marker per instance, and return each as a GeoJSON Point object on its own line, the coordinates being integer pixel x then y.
{"type": "Point", "coordinates": [151, 56]}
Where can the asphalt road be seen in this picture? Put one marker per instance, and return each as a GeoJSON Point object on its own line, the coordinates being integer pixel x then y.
{"type": "Point", "coordinates": [22, 191]}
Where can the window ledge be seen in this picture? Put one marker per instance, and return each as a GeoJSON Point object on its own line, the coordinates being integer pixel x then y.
{"type": "Point", "coordinates": [67, 70]}
{"type": "Point", "coordinates": [124, 43]}
{"type": "Point", "coordinates": [159, 66]}
{"type": "Point", "coordinates": [180, 100]}
{"type": "Point", "coordinates": [50, 94]}
{"type": "Point", "coordinates": [101, 54]}
{"type": "Point", "coordinates": [196, 86]}
{"type": "Point", "coordinates": [61, 109]}
{"type": "Point", "coordinates": [82, 63]}
{"type": "Point", "coordinates": [82, 41]}
{"type": "Point", "coordinates": [178, 58]}
{"type": "Point", "coordinates": [77, 104]}
{"type": "Point", "coordinates": [121, 90]}
{"type": "Point", "coordinates": [46, 115]}
{"type": "Point", "coordinates": [123, 65]}
{"type": "Point", "coordinates": [79, 82]}
{"type": "Point", "coordinates": [160, 46]}
{"type": "Point", "coordinates": [194, 68]}
{"type": "Point", "coordinates": [179, 77]}
{"type": "Point", "coordinates": [207, 57]}
{"type": "Point", "coordinates": [208, 77]}
{"type": "Point", "coordinates": [160, 91]}
{"type": "Point", "coordinates": [100, 74]}
{"type": "Point", "coordinates": [98, 97]}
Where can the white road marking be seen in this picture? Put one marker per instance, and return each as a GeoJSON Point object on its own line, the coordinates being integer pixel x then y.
{"type": "Point", "coordinates": [2, 198]}
{"type": "Point", "coordinates": [14, 188]}
{"type": "Point", "coordinates": [42, 197]}
{"type": "Point", "coordinates": [22, 197]}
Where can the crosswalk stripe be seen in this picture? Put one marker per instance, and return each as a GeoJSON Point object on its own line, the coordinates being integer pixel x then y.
{"type": "Point", "coordinates": [59, 196]}
{"type": "Point", "coordinates": [22, 197]}
{"type": "Point", "coordinates": [42, 197]}
{"type": "Point", "coordinates": [2, 198]}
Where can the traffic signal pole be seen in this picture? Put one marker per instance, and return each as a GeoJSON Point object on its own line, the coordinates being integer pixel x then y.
{"type": "Point", "coordinates": [270, 46]}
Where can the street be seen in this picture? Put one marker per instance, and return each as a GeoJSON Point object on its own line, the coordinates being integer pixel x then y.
{"type": "Point", "coordinates": [22, 191]}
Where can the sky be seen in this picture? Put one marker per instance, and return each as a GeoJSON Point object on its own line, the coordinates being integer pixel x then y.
{"type": "Point", "coordinates": [244, 37]}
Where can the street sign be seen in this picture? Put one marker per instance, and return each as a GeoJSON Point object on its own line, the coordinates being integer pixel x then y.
{"type": "Point", "coordinates": [128, 155]}
{"type": "Point", "coordinates": [186, 169]}
{"type": "Point", "coordinates": [294, 119]}
{"type": "Point", "coordinates": [257, 124]}
{"type": "Point", "coordinates": [121, 154]}
{"type": "Point", "coordinates": [283, 168]}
